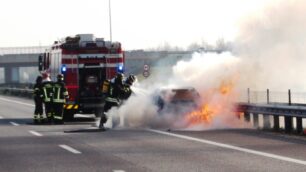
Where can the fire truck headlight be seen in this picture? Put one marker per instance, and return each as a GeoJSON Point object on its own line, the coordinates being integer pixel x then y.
{"type": "Point", "coordinates": [63, 68]}
{"type": "Point", "coordinates": [120, 69]}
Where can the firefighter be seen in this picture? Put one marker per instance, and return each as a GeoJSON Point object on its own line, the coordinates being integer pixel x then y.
{"type": "Point", "coordinates": [115, 91]}
{"type": "Point", "coordinates": [59, 99]}
{"type": "Point", "coordinates": [38, 112]}
{"type": "Point", "coordinates": [131, 79]}
{"type": "Point", "coordinates": [47, 95]}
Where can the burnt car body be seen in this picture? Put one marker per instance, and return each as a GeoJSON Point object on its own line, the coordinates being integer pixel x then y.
{"type": "Point", "coordinates": [177, 100]}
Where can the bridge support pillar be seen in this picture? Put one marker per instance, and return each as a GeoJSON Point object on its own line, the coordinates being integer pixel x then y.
{"type": "Point", "coordinates": [247, 116]}
{"type": "Point", "coordinates": [299, 125]}
{"type": "Point", "coordinates": [288, 124]}
{"type": "Point", "coordinates": [266, 121]}
{"type": "Point", "coordinates": [255, 120]}
{"type": "Point", "coordinates": [276, 122]}
{"type": "Point", "coordinates": [11, 75]}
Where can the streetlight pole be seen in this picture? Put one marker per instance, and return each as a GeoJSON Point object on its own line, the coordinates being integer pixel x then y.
{"type": "Point", "coordinates": [110, 20]}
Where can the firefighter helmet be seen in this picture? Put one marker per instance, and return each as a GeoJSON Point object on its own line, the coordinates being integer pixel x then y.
{"type": "Point", "coordinates": [119, 78]}
{"type": "Point", "coordinates": [60, 77]}
{"type": "Point", "coordinates": [39, 79]}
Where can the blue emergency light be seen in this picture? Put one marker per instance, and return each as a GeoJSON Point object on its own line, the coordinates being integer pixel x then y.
{"type": "Point", "coordinates": [63, 68]}
{"type": "Point", "coordinates": [120, 69]}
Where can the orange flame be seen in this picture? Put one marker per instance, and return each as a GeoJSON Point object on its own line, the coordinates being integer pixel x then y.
{"type": "Point", "coordinates": [204, 115]}
{"type": "Point", "coordinates": [207, 111]}
{"type": "Point", "coordinates": [226, 87]}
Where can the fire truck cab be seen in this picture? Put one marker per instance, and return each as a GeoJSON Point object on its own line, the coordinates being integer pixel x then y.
{"type": "Point", "coordinates": [85, 62]}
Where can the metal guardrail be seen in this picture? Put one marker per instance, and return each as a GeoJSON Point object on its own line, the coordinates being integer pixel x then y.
{"type": "Point", "coordinates": [287, 105]}
{"type": "Point", "coordinates": [279, 109]}
{"type": "Point", "coordinates": [17, 92]}
{"type": "Point", "coordinates": [268, 96]}
{"type": "Point", "coordinates": [290, 106]}
{"type": "Point", "coordinates": [291, 113]}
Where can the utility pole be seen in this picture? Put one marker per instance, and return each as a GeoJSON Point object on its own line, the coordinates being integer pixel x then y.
{"type": "Point", "coordinates": [110, 20]}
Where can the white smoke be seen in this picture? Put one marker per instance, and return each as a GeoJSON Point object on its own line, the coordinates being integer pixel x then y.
{"type": "Point", "coordinates": [204, 72]}
{"type": "Point", "coordinates": [271, 46]}
{"type": "Point", "coordinates": [268, 53]}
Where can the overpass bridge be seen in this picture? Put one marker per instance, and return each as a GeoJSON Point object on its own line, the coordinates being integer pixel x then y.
{"type": "Point", "coordinates": [19, 64]}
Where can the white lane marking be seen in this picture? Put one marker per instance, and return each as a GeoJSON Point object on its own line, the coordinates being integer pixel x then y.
{"type": "Point", "coordinates": [118, 171]}
{"type": "Point", "coordinates": [14, 123]}
{"type": "Point", "coordinates": [35, 133]}
{"type": "Point", "coordinates": [283, 158]}
{"type": "Point", "coordinates": [70, 149]}
{"type": "Point", "coordinates": [8, 100]}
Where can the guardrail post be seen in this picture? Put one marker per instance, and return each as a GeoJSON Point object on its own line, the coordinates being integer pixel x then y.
{"type": "Point", "coordinates": [255, 120]}
{"type": "Point", "coordinates": [266, 121]}
{"type": "Point", "coordinates": [288, 124]}
{"type": "Point", "coordinates": [289, 96]}
{"type": "Point", "coordinates": [299, 125]}
{"type": "Point", "coordinates": [276, 122]}
{"type": "Point", "coordinates": [268, 96]}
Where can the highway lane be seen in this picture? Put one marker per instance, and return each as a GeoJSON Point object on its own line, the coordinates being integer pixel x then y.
{"type": "Point", "coordinates": [79, 147]}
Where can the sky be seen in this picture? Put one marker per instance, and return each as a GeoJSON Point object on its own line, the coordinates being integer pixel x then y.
{"type": "Point", "coordinates": [137, 24]}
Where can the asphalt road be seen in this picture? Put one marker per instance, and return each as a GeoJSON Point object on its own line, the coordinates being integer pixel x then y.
{"type": "Point", "coordinates": [79, 146]}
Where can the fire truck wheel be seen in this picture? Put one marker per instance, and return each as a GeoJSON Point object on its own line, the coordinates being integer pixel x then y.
{"type": "Point", "coordinates": [68, 116]}
{"type": "Point", "coordinates": [98, 112]}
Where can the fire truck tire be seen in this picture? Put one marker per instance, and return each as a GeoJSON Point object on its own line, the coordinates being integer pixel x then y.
{"type": "Point", "coordinates": [68, 116]}
{"type": "Point", "coordinates": [98, 112]}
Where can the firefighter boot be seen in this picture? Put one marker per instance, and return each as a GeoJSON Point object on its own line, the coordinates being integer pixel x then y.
{"type": "Point", "coordinates": [41, 119]}
{"type": "Point", "coordinates": [35, 119]}
{"type": "Point", "coordinates": [102, 122]}
{"type": "Point", "coordinates": [49, 118]}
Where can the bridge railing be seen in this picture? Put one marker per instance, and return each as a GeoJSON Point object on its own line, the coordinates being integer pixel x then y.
{"type": "Point", "coordinates": [23, 50]}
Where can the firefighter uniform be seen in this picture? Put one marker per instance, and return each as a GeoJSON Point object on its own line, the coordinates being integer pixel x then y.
{"type": "Point", "coordinates": [127, 87]}
{"type": "Point", "coordinates": [59, 99]}
{"type": "Point", "coordinates": [47, 92]}
{"type": "Point", "coordinates": [38, 112]}
{"type": "Point", "coordinates": [115, 92]}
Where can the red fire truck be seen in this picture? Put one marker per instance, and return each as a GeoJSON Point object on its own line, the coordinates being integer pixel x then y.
{"type": "Point", "coordinates": [85, 62]}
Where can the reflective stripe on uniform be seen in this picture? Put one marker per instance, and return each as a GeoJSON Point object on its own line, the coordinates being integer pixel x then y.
{"type": "Point", "coordinates": [46, 99]}
{"type": "Point", "coordinates": [58, 117]}
{"type": "Point", "coordinates": [58, 100]}
{"type": "Point", "coordinates": [49, 115]}
{"type": "Point", "coordinates": [110, 99]}
{"type": "Point", "coordinates": [58, 93]}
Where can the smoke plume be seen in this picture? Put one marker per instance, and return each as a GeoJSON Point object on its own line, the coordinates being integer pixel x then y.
{"type": "Point", "coordinates": [212, 75]}
{"type": "Point", "coordinates": [271, 46]}
{"type": "Point", "coordinates": [268, 53]}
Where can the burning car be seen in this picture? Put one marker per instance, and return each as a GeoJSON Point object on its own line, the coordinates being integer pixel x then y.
{"type": "Point", "coordinates": [176, 100]}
